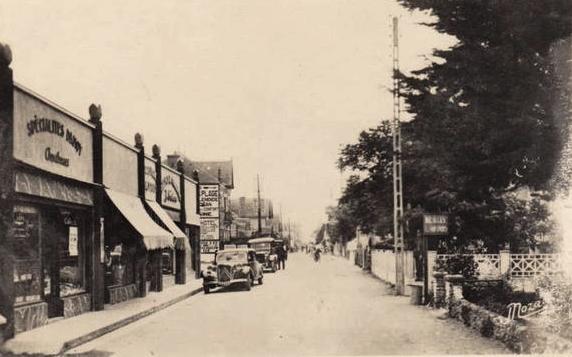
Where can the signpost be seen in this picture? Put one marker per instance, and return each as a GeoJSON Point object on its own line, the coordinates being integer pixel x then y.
{"type": "Point", "coordinates": [209, 205]}
{"type": "Point", "coordinates": [433, 225]}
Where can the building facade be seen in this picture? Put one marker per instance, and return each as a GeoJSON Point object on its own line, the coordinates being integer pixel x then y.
{"type": "Point", "coordinates": [82, 223]}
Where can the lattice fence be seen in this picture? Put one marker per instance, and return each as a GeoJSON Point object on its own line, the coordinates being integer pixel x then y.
{"type": "Point", "coordinates": [523, 265]}
{"type": "Point", "coordinates": [488, 265]}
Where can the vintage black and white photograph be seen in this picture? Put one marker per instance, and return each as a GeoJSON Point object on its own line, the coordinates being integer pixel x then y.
{"type": "Point", "coordinates": [285, 177]}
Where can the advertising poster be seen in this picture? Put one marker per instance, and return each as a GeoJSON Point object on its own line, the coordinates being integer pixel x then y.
{"type": "Point", "coordinates": [209, 201]}
{"type": "Point", "coordinates": [72, 243]}
{"type": "Point", "coordinates": [209, 229]}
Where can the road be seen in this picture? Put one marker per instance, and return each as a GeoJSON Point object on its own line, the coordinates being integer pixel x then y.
{"type": "Point", "coordinates": [326, 308]}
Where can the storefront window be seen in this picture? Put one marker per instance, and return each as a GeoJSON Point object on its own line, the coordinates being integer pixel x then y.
{"type": "Point", "coordinates": [26, 248]}
{"type": "Point", "coordinates": [120, 265]}
{"type": "Point", "coordinates": [71, 262]}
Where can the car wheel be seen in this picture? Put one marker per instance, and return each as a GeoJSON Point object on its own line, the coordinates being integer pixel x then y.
{"type": "Point", "coordinates": [206, 289]}
{"type": "Point", "coordinates": [248, 283]}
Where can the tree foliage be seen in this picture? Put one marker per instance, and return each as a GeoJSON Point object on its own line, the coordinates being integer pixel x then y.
{"type": "Point", "coordinates": [489, 123]}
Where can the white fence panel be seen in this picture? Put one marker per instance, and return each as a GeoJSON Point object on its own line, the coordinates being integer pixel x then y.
{"type": "Point", "coordinates": [383, 265]}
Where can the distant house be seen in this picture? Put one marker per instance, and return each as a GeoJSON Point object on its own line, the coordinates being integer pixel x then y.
{"type": "Point", "coordinates": [245, 211]}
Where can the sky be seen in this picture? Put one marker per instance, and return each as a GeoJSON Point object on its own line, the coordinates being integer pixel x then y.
{"type": "Point", "coordinates": [278, 86]}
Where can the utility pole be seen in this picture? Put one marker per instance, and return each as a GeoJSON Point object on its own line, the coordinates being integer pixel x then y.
{"type": "Point", "coordinates": [399, 244]}
{"type": "Point", "coordinates": [281, 223]}
{"type": "Point", "coordinates": [259, 207]}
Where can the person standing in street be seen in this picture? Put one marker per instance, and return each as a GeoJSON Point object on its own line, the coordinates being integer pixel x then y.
{"type": "Point", "coordinates": [285, 254]}
{"type": "Point", "coordinates": [280, 252]}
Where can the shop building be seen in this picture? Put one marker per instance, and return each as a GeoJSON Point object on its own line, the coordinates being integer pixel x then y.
{"type": "Point", "coordinates": [78, 229]}
{"type": "Point", "coordinates": [50, 228]}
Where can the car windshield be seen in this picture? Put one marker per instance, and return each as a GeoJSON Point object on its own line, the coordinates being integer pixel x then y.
{"type": "Point", "coordinates": [231, 257]}
{"type": "Point", "coordinates": [261, 246]}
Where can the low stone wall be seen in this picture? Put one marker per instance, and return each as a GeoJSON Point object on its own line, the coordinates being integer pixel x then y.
{"type": "Point", "coordinates": [518, 335]}
{"type": "Point", "coordinates": [513, 334]}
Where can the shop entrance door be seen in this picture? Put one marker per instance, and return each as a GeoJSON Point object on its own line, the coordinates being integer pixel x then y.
{"type": "Point", "coordinates": [52, 232]}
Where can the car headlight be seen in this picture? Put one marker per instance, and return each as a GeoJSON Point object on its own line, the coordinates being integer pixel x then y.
{"type": "Point", "coordinates": [245, 270]}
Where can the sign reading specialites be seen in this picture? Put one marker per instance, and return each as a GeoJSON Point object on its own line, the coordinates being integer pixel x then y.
{"type": "Point", "coordinates": [50, 139]}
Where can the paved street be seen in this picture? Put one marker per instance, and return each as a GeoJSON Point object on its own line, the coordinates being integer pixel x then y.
{"type": "Point", "coordinates": [329, 308]}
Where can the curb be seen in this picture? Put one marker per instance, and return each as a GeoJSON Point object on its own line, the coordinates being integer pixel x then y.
{"type": "Point", "coordinates": [68, 345]}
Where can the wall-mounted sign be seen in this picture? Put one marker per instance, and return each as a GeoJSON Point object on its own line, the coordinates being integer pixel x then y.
{"type": "Point", "coordinates": [119, 166]}
{"type": "Point", "coordinates": [191, 191]}
{"type": "Point", "coordinates": [170, 188]}
{"type": "Point", "coordinates": [209, 200]}
{"type": "Point", "coordinates": [150, 180]}
{"type": "Point", "coordinates": [435, 224]}
{"type": "Point", "coordinates": [48, 138]}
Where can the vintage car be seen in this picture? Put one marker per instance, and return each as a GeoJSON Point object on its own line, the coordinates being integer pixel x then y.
{"type": "Point", "coordinates": [232, 266]}
{"type": "Point", "coordinates": [265, 252]}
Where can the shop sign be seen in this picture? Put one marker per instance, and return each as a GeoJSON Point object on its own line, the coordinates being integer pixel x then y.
{"type": "Point", "coordinates": [209, 200]}
{"type": "Point", "coordinates": [191, 203]}
{"type": "Point", "coordinates": [150, 180]}
{"type": "Point", "coordinates": [435, 224]}
{"type": "Point", "coordinates": [170, 188]}
{"type": "Point", "coordinates": [209, 229]}
{"type": "Point", "coordinates": [120, 166]}
{"type": "Point", "coordinates": [49, 139]}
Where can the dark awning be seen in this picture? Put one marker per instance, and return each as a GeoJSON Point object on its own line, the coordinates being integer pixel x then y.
{"type": "Point", "coordinates": [181, 241]}
{"type": "Point", "coordinates": [132, 208]}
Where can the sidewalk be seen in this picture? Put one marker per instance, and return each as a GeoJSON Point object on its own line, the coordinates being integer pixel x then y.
{"type": "Point", "coordinates": [63, 335]}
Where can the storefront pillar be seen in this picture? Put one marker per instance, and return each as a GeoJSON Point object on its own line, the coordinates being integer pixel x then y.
{"type": "Point", "coordinates": [180, 256]}
{"type": "Point", "coordinates": [141, 272]}
{"type": "Point", "coordinates": [95, 249]}
{"type": "Point", "coordinates": [156, 270]}
{"type": "Point", "coordinates": [6, 191]}
{"type": "Point", "coordinates": [142, 257]}
{"type": "Point", "coordinates": [196, 236]}
{"type": "Point", "coordinates": [156, 266]}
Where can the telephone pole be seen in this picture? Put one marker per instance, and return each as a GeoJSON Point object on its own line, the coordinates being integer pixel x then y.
{"type": "Point", "coordinates": [259, 207]}
{"type": "Point", "coordinates": [399, 244]}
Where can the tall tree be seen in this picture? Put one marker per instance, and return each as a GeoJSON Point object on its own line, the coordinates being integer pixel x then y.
{"type": "Point", "coordinates": [489, 121]}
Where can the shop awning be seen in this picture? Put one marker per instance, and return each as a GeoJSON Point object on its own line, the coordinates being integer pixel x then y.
{"type": "Point", "coordinates": [132, 208]}
{"type": "Point", "coordinates": [181, 241]}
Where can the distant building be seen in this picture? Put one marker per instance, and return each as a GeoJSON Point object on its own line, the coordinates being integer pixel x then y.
{"type": "Point", "coordinates": [245, 217]}
{"type": "Point", "coordinates": [212, 173]}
